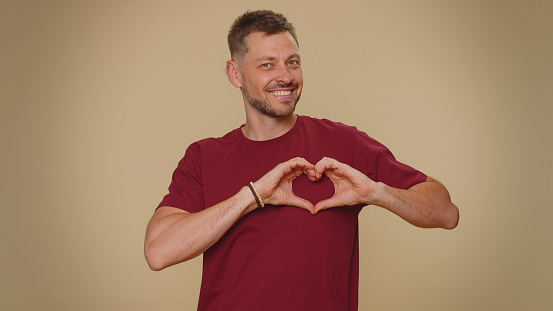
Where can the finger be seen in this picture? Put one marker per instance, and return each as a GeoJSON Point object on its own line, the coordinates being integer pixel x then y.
{"type": "Point", "coordinates": [298, 164]}
{"type": "Point", "coordinates": [291, 169]}
{"type": "Point", "coordinates": [310, 174]}
{"type": "Point", "coordinates": [326, 164]}
{"type": "Point", "coordinates": [333, 168]}
{"type": "Point", "coordinates": [303, 162]}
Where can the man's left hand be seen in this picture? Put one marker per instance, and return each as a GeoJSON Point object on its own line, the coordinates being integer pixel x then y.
{"type": "Point", "coordinates": [351, 187]}
{"type": "Point", "coordinates": [426, 204]}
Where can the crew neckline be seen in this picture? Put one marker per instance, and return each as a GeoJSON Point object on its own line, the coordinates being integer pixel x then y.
{"type": "Point", "coordinates": [299, 121]}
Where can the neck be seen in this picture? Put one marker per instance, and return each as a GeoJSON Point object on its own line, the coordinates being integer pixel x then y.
{"type": "Point", "coordinates": [262, 127]}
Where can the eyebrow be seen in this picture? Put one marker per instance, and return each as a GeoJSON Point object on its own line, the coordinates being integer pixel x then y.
{"type": "Point", "coordinates": [272, 58]}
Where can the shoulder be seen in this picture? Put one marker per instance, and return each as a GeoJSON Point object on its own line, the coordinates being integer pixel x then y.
{"type": "Point", "coordinates": [327, 125]}
{"type": "Point", "coordinates": [197, 151]}
{"type": "Point", "coordinates": [331, 128]}
{"type": "Point", "coordinates": [214, 143]}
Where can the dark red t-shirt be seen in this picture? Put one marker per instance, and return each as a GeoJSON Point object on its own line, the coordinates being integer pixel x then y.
{"type": "Point", "coordinates": [281, 257]}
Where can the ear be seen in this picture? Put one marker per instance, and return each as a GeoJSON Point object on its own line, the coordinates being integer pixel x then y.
{"type": "Point", "coordinates": [233, 73]}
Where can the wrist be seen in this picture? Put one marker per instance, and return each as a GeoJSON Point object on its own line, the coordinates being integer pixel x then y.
{"type": "Point", "coordinates": [379, 196]}
{"type": "Point", "coordinates": [246, 196]}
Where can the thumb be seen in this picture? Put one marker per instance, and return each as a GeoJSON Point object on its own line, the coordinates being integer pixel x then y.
{"type": "Point", "coordinates": [302, 203]}
{"type": "Point", "coordinates": [326, 204]}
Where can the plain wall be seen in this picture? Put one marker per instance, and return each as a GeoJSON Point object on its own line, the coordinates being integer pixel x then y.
{"type": "Point", "coordinates": [99, 100]}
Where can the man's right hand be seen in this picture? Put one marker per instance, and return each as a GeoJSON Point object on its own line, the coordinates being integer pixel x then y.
{"type": "Point", "coordinates": [174, 235]}
{"type": "Point", "coordinates": [275, 187]}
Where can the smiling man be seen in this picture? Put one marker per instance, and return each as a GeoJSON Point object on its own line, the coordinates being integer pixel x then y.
{"type": "Point", "coordinates": [273, 205]}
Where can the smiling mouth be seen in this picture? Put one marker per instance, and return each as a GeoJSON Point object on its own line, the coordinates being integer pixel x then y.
{"type": "Point", "coordinates": [281, 92]}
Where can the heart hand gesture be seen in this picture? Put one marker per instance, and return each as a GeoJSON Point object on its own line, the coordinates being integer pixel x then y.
{"type": "Point", "coordinates": [351, 187]}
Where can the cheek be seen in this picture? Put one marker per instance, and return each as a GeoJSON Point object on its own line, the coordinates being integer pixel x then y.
{"type": "Point", "coordinates": [259, 83]}
{"type": "Point", "coordinates": [298, 76]}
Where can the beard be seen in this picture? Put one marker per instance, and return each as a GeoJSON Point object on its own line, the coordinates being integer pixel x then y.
{"type": "Point", "coordinates": [265, 107]}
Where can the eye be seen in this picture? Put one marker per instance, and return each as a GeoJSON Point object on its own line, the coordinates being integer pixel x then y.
{"type": "Point", "coordinates": [267, 65]}
{"type": "Point", "coordinates": [294, 63]}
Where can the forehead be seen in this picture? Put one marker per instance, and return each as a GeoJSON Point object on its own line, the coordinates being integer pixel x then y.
{"type": "Point", "coordinates": [280, 44]}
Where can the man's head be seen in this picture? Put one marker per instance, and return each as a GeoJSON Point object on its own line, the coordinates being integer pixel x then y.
{"type": "Point", "coordinates": [264, 21]}
{"type": "Point", "coordinates": [265, 63]}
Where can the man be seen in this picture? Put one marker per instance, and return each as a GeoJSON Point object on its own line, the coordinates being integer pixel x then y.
{"type": "Point", "coordinates": [273, 205]}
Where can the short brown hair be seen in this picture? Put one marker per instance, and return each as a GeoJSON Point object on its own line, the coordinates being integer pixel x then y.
{"type": "Point", "coordinates": [265, 21]}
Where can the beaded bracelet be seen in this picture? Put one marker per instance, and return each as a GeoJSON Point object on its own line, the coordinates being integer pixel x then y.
{"type": "Point", "coordinates": [256, 195]}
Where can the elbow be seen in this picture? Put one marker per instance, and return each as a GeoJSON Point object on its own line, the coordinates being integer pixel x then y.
{"type": "Point", "coordinates": [159, 257]}
{"type": "Point", "coordinates": [153, 258]}
{"type": "Point", "coordinates": [155, 265]}
{"type": "Point", "coordinates": [452, 218]}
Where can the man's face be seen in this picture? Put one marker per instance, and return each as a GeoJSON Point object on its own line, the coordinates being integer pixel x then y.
{"type": "Point", "coordinates": [272, 79]}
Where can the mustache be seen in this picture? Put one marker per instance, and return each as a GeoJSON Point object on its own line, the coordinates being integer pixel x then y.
{"type": "Point", "coordinates": [292, 84]}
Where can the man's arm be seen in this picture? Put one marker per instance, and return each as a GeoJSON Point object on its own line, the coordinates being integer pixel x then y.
{"type": "Point", "coordinates": [426, 205]}
{"type": "Point", "coordinates": [174, 236]}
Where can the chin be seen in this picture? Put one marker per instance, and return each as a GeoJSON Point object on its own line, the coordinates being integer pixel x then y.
{"type": "Point", "coordinates": [281, 113]}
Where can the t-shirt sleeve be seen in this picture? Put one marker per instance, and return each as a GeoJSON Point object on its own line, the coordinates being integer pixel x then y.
{"type": "Point", "coordinates": [185, 190]}
{"type": "Point", "coordinates": [378, 162]}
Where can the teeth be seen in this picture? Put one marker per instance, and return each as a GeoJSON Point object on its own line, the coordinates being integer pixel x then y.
{"type": "Point", "coordinates": [281, 93]}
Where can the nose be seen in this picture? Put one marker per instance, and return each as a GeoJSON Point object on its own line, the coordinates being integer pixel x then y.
{"type": "Point", "coordinates": [284, 75]}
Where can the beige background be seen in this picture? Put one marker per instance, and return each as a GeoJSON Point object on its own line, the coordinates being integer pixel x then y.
{"type": "Point", "coordinates": [99, 100]}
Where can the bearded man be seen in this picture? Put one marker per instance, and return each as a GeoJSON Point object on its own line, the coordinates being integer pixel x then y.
{"type": "Point", "coordinates": [273, 205]}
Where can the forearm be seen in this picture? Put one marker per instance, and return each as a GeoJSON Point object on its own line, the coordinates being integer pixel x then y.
{"type": "Point", "coordinates": [175, 237]}
{"type": "Point", "coordinates": [426, 205]}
